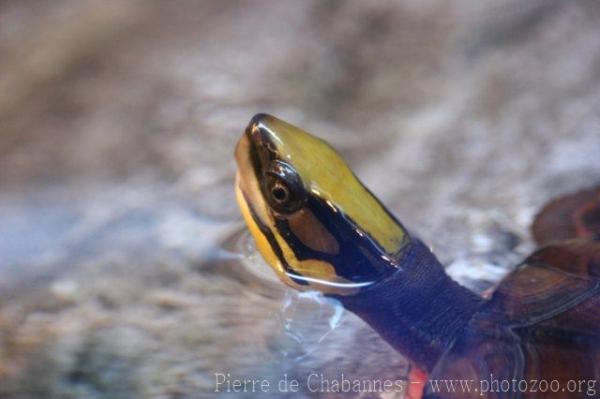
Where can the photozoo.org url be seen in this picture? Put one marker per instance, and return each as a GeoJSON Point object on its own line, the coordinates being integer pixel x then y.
{"type": "Point", "coordinates": [496, 385]}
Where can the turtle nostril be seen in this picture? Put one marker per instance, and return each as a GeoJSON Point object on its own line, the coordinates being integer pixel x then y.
{"type": "Point", "coordinates": [258, 118]}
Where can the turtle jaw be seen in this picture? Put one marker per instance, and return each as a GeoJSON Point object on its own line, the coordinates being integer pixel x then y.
{"type": "Point", "coordinates": [249, 153]}
{"type": "Point", "coordinates": [251, 202]}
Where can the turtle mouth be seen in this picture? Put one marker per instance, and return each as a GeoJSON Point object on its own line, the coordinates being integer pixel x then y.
{"type": "Point", "coordinates": [251, 201]}
{"type": "Point", "coordinates": [247, 176]}
{"type": "Point", "coordinates": [254, 152]}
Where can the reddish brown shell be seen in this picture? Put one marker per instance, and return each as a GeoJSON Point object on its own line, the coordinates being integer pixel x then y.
{"type": "Point", "coordinates": [543, 321]}
{"type": "Point", "coordinates": [574, 215]}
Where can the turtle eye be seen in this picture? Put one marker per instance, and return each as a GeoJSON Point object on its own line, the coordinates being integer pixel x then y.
{"type": "Point", "coordinates": [280, 193]}
{"type": "Point", "coordinates": [283, 188]}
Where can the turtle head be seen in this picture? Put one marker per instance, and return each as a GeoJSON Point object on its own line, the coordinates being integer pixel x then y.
{"type": "Point", "coordinates": [313, 221]}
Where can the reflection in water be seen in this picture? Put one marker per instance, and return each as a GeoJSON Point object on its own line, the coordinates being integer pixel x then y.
{"type": "Point", "coordinates": [305, 342]}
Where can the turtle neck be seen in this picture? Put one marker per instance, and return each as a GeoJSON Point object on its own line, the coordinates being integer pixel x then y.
{"type": "Point", "coordinates": [418, 309]}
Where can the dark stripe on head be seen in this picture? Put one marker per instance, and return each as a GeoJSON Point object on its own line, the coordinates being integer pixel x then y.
{"type": "Point", "coordinates": [275, 246]}
{"type": "Point", "coordinates": [359, 257]}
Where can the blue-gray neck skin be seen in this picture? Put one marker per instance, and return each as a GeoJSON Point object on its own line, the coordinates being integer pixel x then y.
{"type": "Point", "coordinates": [418, 309]}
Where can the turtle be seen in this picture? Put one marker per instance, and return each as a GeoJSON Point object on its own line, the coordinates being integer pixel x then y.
{"type": "Point", "coordinates": [537, 335]}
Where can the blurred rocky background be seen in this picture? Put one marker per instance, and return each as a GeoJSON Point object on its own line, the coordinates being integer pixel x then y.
{"type": "Point", "coordinates": [124, 269]}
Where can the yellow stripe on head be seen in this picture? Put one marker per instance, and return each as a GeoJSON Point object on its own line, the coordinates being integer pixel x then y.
{"type": "Point", "coordinates": [261, 241]}
{"type": "Point", "coordinates": [325, 173]}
